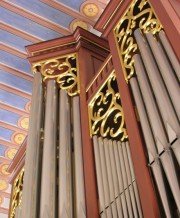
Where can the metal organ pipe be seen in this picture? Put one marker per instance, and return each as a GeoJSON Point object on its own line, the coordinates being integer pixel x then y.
{"type": "Point", "coordinates": [134, 181]}
{"type": "Point", "coordinates": [109, 170]}
{"type": "Point", "coordinates": [112, 167]}
{"type": "Point", "coordinates": [104, 172]}
{"type": "Point", "coordinates": [117, 201]}
{"type": "Point", "coordinates": [125, 182]}
{"type": "Point", "coordinates": [31, 193]}
{"type": "Point", "coordinates": [65, 151]}
{"type": "Point", "coordinates": [163, 101]}
{"type": "Point", "coordinates": [130, 181]}
{"type": "Point", "coordinates": [170, 53]}
{"type": "Point", "coordinates": [170, 120]}
{"type": "Point", "coordinates": [99, 175]}
{"type": "Point", "coordinates": [48, 185]}
{"type": "Point", "coordinates": [150, 144]}
{"type": "Point", "coordinates": [120, 181]}
{"type": "Point", "coordinates": [79, 174]}
{"type": "Point", "coordinates": [109, 174]}
{"type": "Point", "coordinates": [166, 71]}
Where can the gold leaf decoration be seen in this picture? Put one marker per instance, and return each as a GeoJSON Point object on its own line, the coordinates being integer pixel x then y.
{"type": "Point", "coordinates": [139, 15]}
{"type": "Point", "coordinates": [62, 69]}
{"type": "Point", "coordinates": [17, 193]}
{"type": "Point", "coordinates": [106, 115]}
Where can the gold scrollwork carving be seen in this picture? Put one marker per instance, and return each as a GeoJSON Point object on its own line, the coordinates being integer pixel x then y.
{"type": "Point", "coordinates": [106, 115]}
{"type": "Point", "coordinates": [17, 193]}
{"type": "Point", "coordinates": [139, 15]}
{"type": "Point", "coordinates": [62, 69]}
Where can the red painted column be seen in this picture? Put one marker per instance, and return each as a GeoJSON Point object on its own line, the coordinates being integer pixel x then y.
{"type": "Point", "coordinates": [86, 70]}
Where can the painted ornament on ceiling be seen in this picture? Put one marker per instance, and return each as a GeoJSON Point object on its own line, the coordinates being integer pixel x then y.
{"type": "Point", "coordinates": [3, 185]}
{"type": "Point", "coordinates": [90, 10]}
{"type": "Point", "coordinates": [24, 122]}
{"type": "Point", "coordinates": [4, 169]}
{"type": "Point", "coordinates": [19, 138]}
{"type": "Point", "coordinates": [10, 153]}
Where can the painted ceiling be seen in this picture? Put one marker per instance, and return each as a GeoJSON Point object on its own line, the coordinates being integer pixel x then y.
{"type": "Point", "coordinates": [23, 23]}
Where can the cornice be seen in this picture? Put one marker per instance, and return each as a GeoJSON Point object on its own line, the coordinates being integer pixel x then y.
{"type": "Point", "coordinates": [65, 45]}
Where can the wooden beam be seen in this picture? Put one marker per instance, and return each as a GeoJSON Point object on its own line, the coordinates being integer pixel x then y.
{"type": "Point", "coordinates": [13, 109]}
{"type": "Point", "coordinates": [8, 143]}
{"type": "Point", "coordinates": [13, 127]}
{"type": "Point", "coordinates": [15, 72]}
{"type": "Point", "coordinates": [13, 51]}
{"type": "Point", "coordinates": [15, 91]}
{"type": "Point", "coordinates": [34, 17]}
{"type": "Point", "coordinates": [19, 33]}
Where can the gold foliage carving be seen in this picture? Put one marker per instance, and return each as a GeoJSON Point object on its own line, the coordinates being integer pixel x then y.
{"type": "Point", "coordinates": [62, 69]}
{"type": "Point", "coordinates": [106, 115]}
{"type": "Point", "coordinates": [17, 193]}
{"type": "Point", "coordinates": [139, 15]}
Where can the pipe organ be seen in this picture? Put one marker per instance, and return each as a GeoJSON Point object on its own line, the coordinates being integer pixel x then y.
{"type": "Point", "coordinates": [104, 125]}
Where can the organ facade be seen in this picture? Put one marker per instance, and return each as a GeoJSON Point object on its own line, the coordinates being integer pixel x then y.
{"type": "Point", "coordinates": [104, 130]}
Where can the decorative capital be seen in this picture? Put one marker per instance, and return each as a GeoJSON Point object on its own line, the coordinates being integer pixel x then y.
{"type": "Point", "coordinates": [63, 69]}
{"type": "Point", "coordinates": [140, 15]}
{"type": "Point", "coordinates": [106, 117]}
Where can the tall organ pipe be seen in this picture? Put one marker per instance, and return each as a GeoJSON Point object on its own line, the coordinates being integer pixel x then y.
{"type": "Point", "coordinates": [159, 90]}
{"type": "Point", "coordinates": [125, 182]}
{"type": "Point", "coordinates": [157, 127]}
{"type": "Point", "coordinates": [48, 184]}
{"type": "Point", "coordinates": [65, 171]}
{"type": "Point", "coordinates": [166, 71]}
{"type": "Point", "coordinates": [79, 173]}
{"type": "Point", "coordinates": [99, 174]}
{"type": "Point", "coordinates": [109, 170]}
{"type": "Point", "coordinates": [31, 185]}
{"type": "Point", "coordinates": [120, 181]}
{"type": "Point", "coordinates": [104, 173]}
{"type": "Point", "coordinates": [134, 181]}
{"type": "Point", "coordinates": [150, 144]}
{"type": "Point", "coordinates": [170, 53]}
{"type": "Point", "coordinates": [130, 181]}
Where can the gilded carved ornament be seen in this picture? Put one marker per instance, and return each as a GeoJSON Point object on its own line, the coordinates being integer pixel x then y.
{"type": "Point", "coordinates": [106, 117]}
{"type": "Point", "coordinates": [140, 15]}
{"type": "Point", "coordinates": [63, 69]}
{"type": "Point", "coordinates": [17, 193]}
